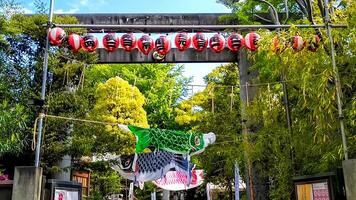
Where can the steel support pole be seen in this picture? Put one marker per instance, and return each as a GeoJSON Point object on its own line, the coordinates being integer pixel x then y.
{"type": "Point", "coordinates": [337, 79]}
{"type": "Point", "coordinates": [43, 90]}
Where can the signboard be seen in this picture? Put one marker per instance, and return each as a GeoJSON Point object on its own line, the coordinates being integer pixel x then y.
{"type": "Point", "coordinates": [82, 177]}
{"type": "Point", "coordinates": [61, 194]}
{"type": "Point", "coordinates": [313, 191]}
{"type": "Point", "coordinates": [320, 191]}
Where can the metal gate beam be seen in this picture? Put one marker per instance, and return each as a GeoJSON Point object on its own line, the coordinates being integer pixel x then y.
{"type": "Point", "coordinates": [174, 56]}
{"type": "Point", "coordinates": [189, 19]}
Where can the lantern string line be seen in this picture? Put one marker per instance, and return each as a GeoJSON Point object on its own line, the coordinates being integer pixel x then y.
{"type": "Point", "coordinates": [222, 86]}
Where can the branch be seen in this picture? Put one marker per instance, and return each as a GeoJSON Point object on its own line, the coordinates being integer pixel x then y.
{"type": "Point", "coordinates": [321, 8]}
{"type": "Point", "coordinates": [287, 11]}
{"type": "Point", "coordinates": [262, 18]}
{"type": "Point", "coordinates": [302, 7]}
{"type": "Point", "coordinates": [310, 17]}
{"type": "Point", "coordinates": [274, 12]}
{"type": "Point", "coordinates": [310, 11]}
{"type": "Point", "coordinates": [273, 16]}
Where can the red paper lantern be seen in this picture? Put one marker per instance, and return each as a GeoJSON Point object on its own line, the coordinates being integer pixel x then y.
{"type": "Point", "coordinates": [90, 43]}
{"type": "Point", "coordinates": [297, 43]}
{"type": "Point", "coordinates": [56, 36]}
{"type": "Point", "coordinates": [162, 45]}
{"type": "Point", "coordinates": [235, 42]}
{"type": "Point", "coordinates": [217, 43]}
{"type": "Point", "coordinates": [111, 42]}
{"type": "Point", "coordinates": [314, 43]}
{"type": "Point", "coordinates": [200, 42]}
{"type": "Point", "coordinates": [74, 42]}
{"type": "Point", "coordinates": [182, 41]}
{"type": "Point", "coordinates": [251, 40]}
{"type": "Point", "coordinates": [128, 41]}
{"type": "Point", "coordinates": [145, 44]}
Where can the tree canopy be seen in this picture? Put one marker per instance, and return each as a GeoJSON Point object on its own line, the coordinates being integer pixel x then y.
{"type": "Point", "coordinates": [152, 95]}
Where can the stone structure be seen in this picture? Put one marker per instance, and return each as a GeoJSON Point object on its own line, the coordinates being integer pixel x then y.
{"type": "Point", "coordinates": [349, 168]}
{"type": "Point", "coordinates": [27, 183]}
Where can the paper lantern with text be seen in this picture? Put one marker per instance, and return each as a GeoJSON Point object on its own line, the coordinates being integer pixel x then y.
{"type": "Point", "coordinates": [200, 42]}
{"type": "Point", "coordinates": [56, 36]}
{"type": "Point", "coordinates": [217, 43]}
{"type": "Point", "coordinates": [74, 42]}
{"type": "Point", "coordinates": [128, 41]}
{"type": "Point", "coordinates": [297, 43]}
{"type": "Point", "coordinates": [145, 44]}
{"type": "Point", "coordinates": [90, 43]}
{"type": "Point", "coordinates": [111, 42]}
{"type": "Point", "coordinates": [235, 42]}
{"type": "Point", "coordinates": [182, 41]}
{"type": "Point", "coordinates": [162, 45]}
{"type": "Point", "coordinates": [251, 40]}
{"type": "Point", "coordinates": [313, 45]}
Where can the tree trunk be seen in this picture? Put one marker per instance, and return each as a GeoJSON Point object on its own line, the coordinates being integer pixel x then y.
{"type": "Point", "coordinates": [256, 186]}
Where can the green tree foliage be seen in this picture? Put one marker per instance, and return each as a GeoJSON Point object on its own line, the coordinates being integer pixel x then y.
{"type": "Point", "coordinates": [104, 181]}
{"type": "Point", "coordinates": [314, 145]}
{"type": "Point", "coordinates": [78, 90]}
{"type": "Point", "coordinates": [80, 103]}
{"type": "Point", "coordinates": [22, 41]}
{"type": "Point", "coordinates": [12, 127]}
{"type": "Point", "coordinates": [162, 85]}
{"type": "Point", "coordinates": [216, 109]}
{"type": "Point", "coordinates": [117, 102]}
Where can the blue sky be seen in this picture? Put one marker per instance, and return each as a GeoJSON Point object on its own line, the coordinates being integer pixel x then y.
{"type": "Point", "coordinates": [127, 6]}
{"type": "Point", "coordinates": [196, 70]}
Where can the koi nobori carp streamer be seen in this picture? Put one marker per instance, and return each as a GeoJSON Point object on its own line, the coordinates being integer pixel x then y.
{"type": "Point", "coordinates": [150, 166]}
{"type": "Point", "coordinates": [177, 142]}
{"type": "Point", "coordinates": [176, 180]}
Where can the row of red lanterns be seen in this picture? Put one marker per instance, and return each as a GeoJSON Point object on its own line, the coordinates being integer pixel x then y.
{"type": "Point", "coordinates": [146, 44]}
{"type": "Point", "coordinates": [297, 43]}
{"type": "Point", "coordinates": [162, 45]}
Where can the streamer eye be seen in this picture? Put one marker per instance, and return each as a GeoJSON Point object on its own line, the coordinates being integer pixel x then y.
{"type": "Point", "coordinates": [127, 163]}
{"type": "Point", "coordinates": [197, 141]}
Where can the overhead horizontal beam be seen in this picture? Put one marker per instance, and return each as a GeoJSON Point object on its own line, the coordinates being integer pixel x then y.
{"type": "Point", "coordinates": [124, 22]}
{"type": "Point", "coordinates": [174, 56]}
{"type": "Point", "coordinates": [163, 22]}
{"type": "Point", "coordinates": [190, 28]}
{"type": "Point", "coordinates": [151, 18]}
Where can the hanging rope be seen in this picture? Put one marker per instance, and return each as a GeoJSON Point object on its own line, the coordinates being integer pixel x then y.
{"type": "Point", "coordinates": [81, 78]}
{"type": "Point", "coordinates": [211, 93]}
{"type": "Point", "coordinates": [304, 95]}
{"type": "Point", "coordinates": [170, 97]}
{"type": "Point", "coordinates": [120, 75]}
{"type": "Point", "coordinates": [269, 98]}
{"type": "Point", "coordinates": [132, 89]}
{"type": "Point", "coordinates": [33, 144]}
{"type": "Point", "coordinates": [82, 120]}
{"type": "Point", "coordinates": [247, 97]}
{"type": "Point", "coordinates": [192, 102]}
{"type": "Point", "coordinates": [232, 98]}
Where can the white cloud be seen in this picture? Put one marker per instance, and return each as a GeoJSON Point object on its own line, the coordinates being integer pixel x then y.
{"type": "Point", "coordinates": [27, 11]}
{"type": "Point", "coordinates": [83, 2]}
{"type": "Point", "coordinates": [70, 11]}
